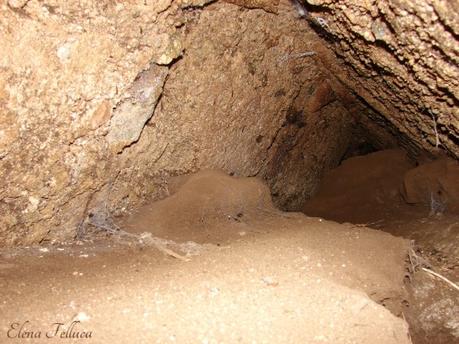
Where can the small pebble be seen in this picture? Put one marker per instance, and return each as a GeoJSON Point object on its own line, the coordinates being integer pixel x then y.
{"type": "Point", "coordinates": [81, 316]}
{"type": "Point", "coordinates": [269, 281]}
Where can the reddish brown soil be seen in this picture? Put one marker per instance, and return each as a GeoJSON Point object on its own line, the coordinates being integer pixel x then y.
{"type": "Point", "coordinates": [245, 273]}
{"type": "Point", "coordinates": [373, 190]}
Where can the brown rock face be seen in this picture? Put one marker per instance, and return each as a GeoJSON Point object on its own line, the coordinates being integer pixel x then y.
{"type": "Point", "coordinates": [402, 58]}
{"type": "Point", "coordinates": [67, 77]}
{"type": "Point", "coordinates": [102, 102]}
{"type": "Point", "coordinates": [252, 104]}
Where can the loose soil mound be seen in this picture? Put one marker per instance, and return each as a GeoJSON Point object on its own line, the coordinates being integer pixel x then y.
{"type": "Point", "coordinates": [384, 191]}
{"type": "Point", "coordinates": [255, 275]}
{"type": "Point", "coordinates": [362, 188]}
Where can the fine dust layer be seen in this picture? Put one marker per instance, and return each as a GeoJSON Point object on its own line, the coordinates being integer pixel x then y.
{"type": "Point", "coordinates": [385, 191]}
{"type": "Point", "coordinates": [255, 275]}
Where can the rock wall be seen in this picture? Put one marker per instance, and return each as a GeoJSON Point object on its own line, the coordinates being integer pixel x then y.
{"type": "Point", "coordinates": [248, 103]}
{"type": "Point", "coordinates": [67, 71]}
{"type": "Point", "coordinates": [402, 58]}
{"type": "Point", "coordinates": [103, 101]}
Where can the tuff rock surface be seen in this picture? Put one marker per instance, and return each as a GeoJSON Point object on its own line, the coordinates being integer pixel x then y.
{"type": "Point", "coordinates": [102, 101]}
{"type": "Point", "coordinates": [402, 58]}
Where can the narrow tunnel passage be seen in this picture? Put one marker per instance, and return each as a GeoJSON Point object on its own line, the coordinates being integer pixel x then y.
{"type": "Point", "coordinates": [415, 200]}
{"type": "Point", "coordinates": [237, 171]}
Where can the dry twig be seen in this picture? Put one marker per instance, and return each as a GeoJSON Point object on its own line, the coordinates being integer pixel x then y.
{"type": "Point", "coordinates": [443, 278]}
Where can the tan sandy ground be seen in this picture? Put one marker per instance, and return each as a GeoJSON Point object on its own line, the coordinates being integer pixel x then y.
{"type": "Point", "coordinates": [372, 189]}
{"type": "Point", "coordinates": [250, 274]}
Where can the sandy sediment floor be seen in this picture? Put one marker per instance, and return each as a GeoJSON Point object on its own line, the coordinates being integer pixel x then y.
{"type": "Point", "coordinates": [231, 269]}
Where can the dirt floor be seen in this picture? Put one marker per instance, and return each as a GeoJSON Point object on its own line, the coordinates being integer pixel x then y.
{"type": "Point", "coordinates": [417, 203]}
{"type": "Point", "coordinates": [213, 263]}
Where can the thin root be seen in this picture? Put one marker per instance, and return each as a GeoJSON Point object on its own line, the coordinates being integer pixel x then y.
{"type": "Point", "coordinates": [443, 278]}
